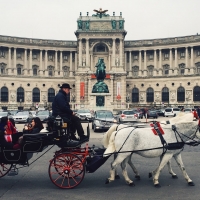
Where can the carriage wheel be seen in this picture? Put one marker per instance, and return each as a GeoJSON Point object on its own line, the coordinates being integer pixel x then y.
{"type": "Point", "coordinates": [66, 170]}
{"type": "Point", "coordinates": [4, 169]}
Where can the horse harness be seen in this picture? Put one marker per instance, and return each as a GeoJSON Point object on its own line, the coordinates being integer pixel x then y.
{"type": "Point", "coordinates": [165, 146]}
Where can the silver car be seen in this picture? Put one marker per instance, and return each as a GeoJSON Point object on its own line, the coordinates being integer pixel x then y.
{"type": "Point", "coordinates": [43, 114]}
{"type": "Point", "coordinates": [84, 114]}
{"type": "Point", "coordinates": [126, 116]}
{"type": "Point", "coordinates": [23, 116]}
{"type": "Point", "coordinates": [5, 114]}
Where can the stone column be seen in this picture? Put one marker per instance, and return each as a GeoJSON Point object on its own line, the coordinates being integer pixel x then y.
{"type": "Point", "coordinates": [9, 57]}
{"type": "Point", "coordinates": [176, 59]}
{"type": "Point", "coordinates": [120, 52]}
{"type": "Point", "coordinates": [30, 59]}
{"type": "Point", "coordinates": [61, 61]}
{"type": "Point", "coordinates": [160, 58]}
{"type": "Point", "coordinates": [186, 56]}
{"type": "Point", "coordinates": [14, 59]}
{"type": "Point", "coordinates": [70, 63]}
{"type": "Point", "coordinates": [87, 52]}
{"type": "Point", "coordinates": [45, 61]}
{"type": "Point", "coordinates": [108, 63]}
{"type": "Point", "coordinates": [155, 59]}
{"type": "Point", "coordinates": [140, 63]}
{"type": "Point", "coordinates": [192, 58]}
{"type": "Point", "coordinates": [145, 60]}
{"type": "Point", "coordinates": [113, 53]}
{"type": "Point", "coordinates": [80, 52]}
{"type": "Point", "coordinates": [75, 62]}
{"type": "Point", "coordinates": [56, 61]}
{"type": "Point", "coordinates": [130, 64]}
{"type": "Point", "coordinates": [91, 62]}
{"type": "Point", "coordinates": [170, 58]}
{"type": "Point", "coordinates": [25, 61]}
{"type": "Point", "coordinates": [41, 67]}
{"type": "Point", "coordinates": [89, 88]}
{"type": "Point", "coordinates": [111, 89]}
{"type": "Point", "coordinates": [125, 58]}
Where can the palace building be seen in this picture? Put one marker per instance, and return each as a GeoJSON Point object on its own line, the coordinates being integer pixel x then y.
{"type": "Point", "coordinates": [155, 72]}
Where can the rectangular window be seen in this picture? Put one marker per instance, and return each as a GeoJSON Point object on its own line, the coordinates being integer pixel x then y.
{"type": "Point", "coordinates": [19, 71]}
{"type": "Point", "coordinates": [135, 57]}
{"type": "Point", "coordinates": [166, 56]}
{"type": "Point", "coordinates": [198, 70]}
{"type": "Point", "coordinates": [198, 52]}
{"type": "Point", "coordinates": [166, 71]}
{"type": "Point", "coordinates": [65, 57]}
{"type": "Point", "coordinates": [2, 70]}
{"type": "Point", "coordinates": [50, 57]}
{"type": "Point", "coordinates": [150, 56]}
{"type": "Point", "coordinates": [182, 54]}
{"type": "Point", "coordinates": [34, 56]}
{"type": "Point", "coordinates": [2, 53]}
{"type": "Point", "coordinates": [135, 73]}
{"type": "Point", "coordinates": [182, 71]}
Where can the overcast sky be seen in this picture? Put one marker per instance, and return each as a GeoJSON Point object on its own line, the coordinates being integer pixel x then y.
{"type": "Point", "coordinates": [56, 19]}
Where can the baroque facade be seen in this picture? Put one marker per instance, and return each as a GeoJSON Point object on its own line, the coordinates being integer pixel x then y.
{"type": "Point", "coordinates": [157, 72]}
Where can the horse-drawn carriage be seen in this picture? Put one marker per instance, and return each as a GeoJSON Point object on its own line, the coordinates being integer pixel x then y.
{"type": "Point", "coordinates": [68, 165]}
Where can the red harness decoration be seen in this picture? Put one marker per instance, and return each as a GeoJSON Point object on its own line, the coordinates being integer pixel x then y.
{"type": "Point", "coordinates": [10, 128]}
{"type": "Point", "coordinates": [195, 114]}
{"type": "Point", "coordinates": [159, 128]}
{"type": "Point", "coordinates": [8, 138]}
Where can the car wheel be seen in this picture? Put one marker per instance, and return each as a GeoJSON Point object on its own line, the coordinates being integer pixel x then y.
{"type": "Point", "coordinates": [174, 115]}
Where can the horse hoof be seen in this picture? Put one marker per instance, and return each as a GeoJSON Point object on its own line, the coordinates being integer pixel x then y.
{"type": "Point", "coordinates": [150, 174]}
{"type": "Point", "coordinates": [117, 177]}
{"type": "Point", "coordinates": [191, 184]}
{"type": "Point", "coordinates": [107, 181]}
{"type": "Point", "coordinates": [131, 184]}
{"type": "Point", "coordinates": [157, 185]}
{"type": "Point", "coordinates": [137, 177]}
{"type": "Point", "coordinates": [174, 176]}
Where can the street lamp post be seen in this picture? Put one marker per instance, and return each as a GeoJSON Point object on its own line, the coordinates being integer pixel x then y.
{"type": "Point", "coordinates": [128, 99]}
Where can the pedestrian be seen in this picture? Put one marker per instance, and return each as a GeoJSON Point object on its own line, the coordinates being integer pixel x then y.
{"type": "Point", "coordinates": [61, 107]}
{"type": "Point", "coordinates": [198, 111]}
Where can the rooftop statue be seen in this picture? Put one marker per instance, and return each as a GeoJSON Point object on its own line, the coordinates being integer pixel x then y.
{"type": "Point", "coordinates": [100, 13]}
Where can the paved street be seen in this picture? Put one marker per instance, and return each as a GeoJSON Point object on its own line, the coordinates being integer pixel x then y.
{"type": "Point", "coordinates": [33, 182]}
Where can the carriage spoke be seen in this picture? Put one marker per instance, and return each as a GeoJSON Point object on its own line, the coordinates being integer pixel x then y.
{"type": "Point", "coordinates": [66, 170]}
{"type": "Point", "coordinates": [4, 169]}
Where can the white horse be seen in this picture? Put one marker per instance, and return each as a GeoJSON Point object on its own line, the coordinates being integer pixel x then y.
{"type": "Point", "coordinates": [133, 139]}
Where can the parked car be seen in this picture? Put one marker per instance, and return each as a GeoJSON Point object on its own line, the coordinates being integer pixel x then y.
{"type": "Point", "coordinates": [43, 115]}
{"type": "Point", "coordinates": [171, 112]}
{"type": "Point", "coordinates": [23, 116]}
{"type": "Point", "coordinates": [126, 116]}
{"type": "Point", "coordinates": [13, 112]}
{"type": "Point", "coordinates": [102, 120]}
{"type": "Point", "coordinates": [188, 110]}
{"type": "Point", "coordinates": [5, 114]}
{"type": "Point", "coordinates": [160, 112]}
{"type": "Point", "coordinates": [138, 113]}
{"type": "Point", "coordinates": [152, 113]}
{"type": "Point", "coordinates": [84, 114]}
{"type": "Point", "coordinates": [33, 113]}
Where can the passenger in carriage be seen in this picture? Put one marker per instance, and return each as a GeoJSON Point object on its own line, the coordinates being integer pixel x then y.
{"type": "Point", "coordinates": [5, 139]}
{"type": "Point", "coordinates": [61, 107]}
{"type": "Point", "coordinates": [34, 127]}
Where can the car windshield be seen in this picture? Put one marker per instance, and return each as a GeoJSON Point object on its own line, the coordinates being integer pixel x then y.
{"type": "Point", "coordinates": [128, 112]}
{"type": "Point", "coordinates": [104, 114]}
{"type": "Point", "coordinates": [168, 110]}
{"type": "Point", "coordinates": [13, 112]}
{"type": "Point", "coordinates": [44, 112]}
{"type": "Point", "coordinates": [22, 113]}
{"type": "Point", "coordinates": [176, 109]}
{"type": "Point", "coordinates": [187, 109]}
{"type": "Point", "coordinates": [2, 114]}
{"type": "Point", "coordinates": [83, 111]}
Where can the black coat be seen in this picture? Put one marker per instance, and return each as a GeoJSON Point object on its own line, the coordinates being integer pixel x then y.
{"type": "Point", "coordinates": [60, 105]}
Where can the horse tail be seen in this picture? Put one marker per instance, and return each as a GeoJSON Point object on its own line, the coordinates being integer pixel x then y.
{"type": "Point", "coordinates": [111, 146]}
{"type": "Point", "coordinates": [107, 135]}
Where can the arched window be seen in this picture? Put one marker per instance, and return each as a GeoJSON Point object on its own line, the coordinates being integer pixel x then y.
{"type": "Point", "coordinates": [51, 94]}
{"type": "Point", "coordinates": [36, 95]}
{"type": "Point", "coordinates": [196, 93]}
{"type": "Point", "coordinates": [20, 94]}
{"type": "Point", "coordinates": [135, 95]}
{"type": "Point", "coordinates": [150, 95]}
{"type": "Point", "coordinates": [4, 94]}
{"type": "Point", "coordinates": [181, 94]}
{"type": "Point", "coordinates": [165, 94]}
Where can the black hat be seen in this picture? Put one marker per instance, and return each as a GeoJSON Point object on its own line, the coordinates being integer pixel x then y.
{"type": "Point", "coordinates": [65, 85]}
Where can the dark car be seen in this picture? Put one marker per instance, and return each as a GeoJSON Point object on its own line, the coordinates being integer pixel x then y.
{"type": "Point", "coordinates": [43, 115]}
{"type": "Point", "coordinates": [152, 113]}
{"type": "Point", "coordinates": [160, 112]}
{"type": "Point", "coordinates": [103, 120]}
